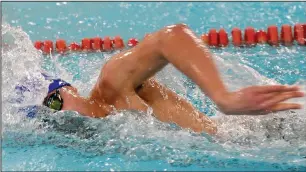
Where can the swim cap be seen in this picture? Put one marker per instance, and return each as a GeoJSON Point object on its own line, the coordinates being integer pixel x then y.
{"type": "Point", "coordinates": [31, 110]}
{"type": "Point", "coordinates": [56, 83]}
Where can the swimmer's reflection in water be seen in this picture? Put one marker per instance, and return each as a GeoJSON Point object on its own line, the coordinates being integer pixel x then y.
{"type": "Point", "coordinates": [127, 81]}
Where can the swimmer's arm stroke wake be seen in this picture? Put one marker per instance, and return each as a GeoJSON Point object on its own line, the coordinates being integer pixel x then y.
{"type": "Point", "coordinates": [178, 45]}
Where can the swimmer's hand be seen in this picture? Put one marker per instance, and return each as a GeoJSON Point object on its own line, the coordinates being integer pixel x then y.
{"type": "Point", "coordinates": [258, 100]}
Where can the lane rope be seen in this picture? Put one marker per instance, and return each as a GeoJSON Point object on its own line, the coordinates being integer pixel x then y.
{"type": "Point", "coordinates": [214, 39]}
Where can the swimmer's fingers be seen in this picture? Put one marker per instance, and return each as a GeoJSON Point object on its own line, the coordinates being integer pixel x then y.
{"type": "Point", "coordinates": [276, 88]}
{"type": "Point", "coordinates": [264, 97]}
{"type": "Point", "coordinates": [283, 107]}
{"type": "Point", "coordinates": [280, 98]}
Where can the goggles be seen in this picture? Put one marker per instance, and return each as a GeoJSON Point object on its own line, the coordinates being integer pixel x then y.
{"type": "Point", "coordinates": [54, 101]}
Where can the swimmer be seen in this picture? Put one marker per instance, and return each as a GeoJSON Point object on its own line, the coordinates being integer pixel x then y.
{"type": "Point", "coordinates": [127, 81]}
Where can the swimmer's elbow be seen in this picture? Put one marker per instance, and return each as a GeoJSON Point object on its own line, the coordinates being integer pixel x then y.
{"type": "Point", "coordinates": [165, 36]}
{"type": "Point", "coordinates": [173, 30]}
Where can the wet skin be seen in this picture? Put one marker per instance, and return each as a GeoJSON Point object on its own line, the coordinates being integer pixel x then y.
{"type": "Point", "coordinates": [127, 81]}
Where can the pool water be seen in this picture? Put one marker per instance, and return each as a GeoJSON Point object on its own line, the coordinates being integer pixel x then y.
{"type": "Point", "coordinates": [133, 140]}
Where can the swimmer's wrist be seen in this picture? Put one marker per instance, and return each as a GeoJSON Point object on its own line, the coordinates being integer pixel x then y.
{"type": "Point", "coordinates": [223, 101]}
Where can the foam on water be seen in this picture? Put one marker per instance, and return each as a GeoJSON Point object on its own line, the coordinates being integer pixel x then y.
{"type": "Point", "coordinates": [137, 136]}
{"type": "Point", "coordinates": [20, 67]}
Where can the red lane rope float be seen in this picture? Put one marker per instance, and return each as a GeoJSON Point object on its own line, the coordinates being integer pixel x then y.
{"type": "Point", "coordinates": [107, 45]}
{"type": "Point", "coordinates": [286, 35]}
{"type": "Point", "coordinates": [118, 43]}
{"type": "Point", "coordinates": [298, 28]}
{"type": "Point", "coordinates": [38, 45]}
{"type": "Point", "coordinates": [273, 35]}
{"type": "Point", "coordinates": [132, 42]}
{"type": "Point", "coordinates": [299, 34]}
{"type": "Point", "coordinates": [97, 44]}
{"type": "Point", "coordinates": [304, 28]}
{"type": "Point", "coordinates": [250, 36]}
{"type": "Point", "coordinates": [48, 46]}
{"type": "Point", "coordinates": [86, 44]}
{"type": "Point", "coordinates": [261, 37]}
{"type": "Point", "coordinates": [74, 46]}
{"type": "Point", "coordinates": [223, 38]}
{"type": "Point", "coordinates": [213, 38]}
{"type": "Point", "coordinates": [236, 37]}
{"type": "Point", "coordinates": [60, 46]}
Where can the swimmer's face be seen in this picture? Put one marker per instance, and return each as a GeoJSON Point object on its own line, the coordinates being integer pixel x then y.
{"type": "Point", "coordinates": [68, 94]}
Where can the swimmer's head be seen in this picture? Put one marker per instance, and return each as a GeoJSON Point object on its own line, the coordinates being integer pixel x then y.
{"type": "Point", "coordinates": [61, 94]}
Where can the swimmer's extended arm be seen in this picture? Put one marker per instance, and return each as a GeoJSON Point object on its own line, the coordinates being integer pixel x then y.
{"type": "Point", "coordinates": [170, 107]}
{"type": "Point", "coordinates": [179, 46]}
